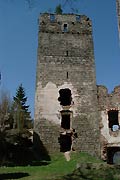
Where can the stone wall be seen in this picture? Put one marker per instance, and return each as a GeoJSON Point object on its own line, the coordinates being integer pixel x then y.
{"type": "Point", "coordinates": [66, 61]}
{"type": "Point", "coordinates": [108, 102]}
{"type": "Point", "coordinates": [118, 14]}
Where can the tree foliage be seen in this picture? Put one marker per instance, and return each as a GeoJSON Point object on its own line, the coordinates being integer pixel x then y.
{"type": "Point", "coordinates": [58, 9]}
{"type": "Point", "coordinates": [15, 136]}
{"type": "Point", "coordinates": [5, 109]}
{"type": "Point", "coordinates": [14, 113]}
{"type": "Point", "coordinates": [20, 110]}
{"type": "Point", "coordinates": [71, 4]}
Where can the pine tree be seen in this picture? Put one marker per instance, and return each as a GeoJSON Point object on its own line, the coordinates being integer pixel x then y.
{"type": "Point", "coordinates": [58, 9]}
{"type": "Point", "coordinates": [20, 109]}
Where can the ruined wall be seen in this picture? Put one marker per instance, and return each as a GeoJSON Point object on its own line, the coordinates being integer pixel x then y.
{"type": "Point", "coordinates": [66, 61]}
{"type": "Point", "coordinates": [108, 102]}
{"type": "Point", "coordinates": [118, 14]}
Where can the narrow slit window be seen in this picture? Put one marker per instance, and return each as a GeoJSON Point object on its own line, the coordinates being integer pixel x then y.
{"type": "Point", "coordinates": [66, 53]}
{"type": "Point", "coordinates": [67, 75]}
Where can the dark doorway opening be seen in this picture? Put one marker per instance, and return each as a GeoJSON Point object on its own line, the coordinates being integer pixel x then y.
{"type": "Point", "coordinates": [65, 97]}
{"type": "Point", "coordinates": [65, 142]}
{"type": "Point", "coordinates": [65, 138]}
{"type": "Point", "coordinates": [113, 119]}
{"type": "Point", "coordinates": [111, 154]}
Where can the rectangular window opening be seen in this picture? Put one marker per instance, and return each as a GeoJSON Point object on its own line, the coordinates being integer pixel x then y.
{"type": "Point", "coordinates": [78, 18]}
{"type": "Point", "coordinates": [65, 28]}
{"type": "Point", "coordinates": [113, 155]}
{"type": "Point", "coordinates": [65, 139]}
{"type": "Point", "coordinates": [52, 17]}
{"type": "Point", "coordinates": [113, 120]}
{"type": "Point", "coordinates": [65, 123]}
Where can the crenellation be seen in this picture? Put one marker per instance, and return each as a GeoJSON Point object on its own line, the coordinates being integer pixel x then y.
{"type": "Point", "coordinates": [54, 23]}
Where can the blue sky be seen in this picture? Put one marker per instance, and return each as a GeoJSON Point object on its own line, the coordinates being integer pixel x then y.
{"type": "Point", "coordinates": [19, 42]}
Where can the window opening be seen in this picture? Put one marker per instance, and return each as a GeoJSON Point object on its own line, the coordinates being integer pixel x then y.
{"type": "Point", "coordinates": [65, 139]}
{"type": "Point", "coordinates": [67, 75]}
{"type": "Point", "coordinates": [78, 18]}
{"type": "Point", "coordinates": [66, 119]}
{"type": "Point", "coordinates": [52, 17]}
{"type": "Point", "coordinates": [65, 97]}
{"type": "Point", "coordinates": [65, 122]}
{"type": "Point", "coordinates": [113, 120]}
{"type": "Point", "coordinates": [116, 158]}
{"type": "Point", "coordinates": [66, 53]}
{"type": "Point", "coordinates": [65, 28]}
{"type": "Point", "coordinates": [113, 155]}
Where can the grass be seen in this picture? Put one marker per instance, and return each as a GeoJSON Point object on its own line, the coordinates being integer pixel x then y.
{"type": "Point", "coordinates": [57, 169]}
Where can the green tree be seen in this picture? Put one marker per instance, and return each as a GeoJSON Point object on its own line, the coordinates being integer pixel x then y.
{"type": "Point", "coordinates": [58, 9]}
{"type": "Point", "coordinates": [5, 110]}
{"type": "Point", "coordinates": [20, 110]}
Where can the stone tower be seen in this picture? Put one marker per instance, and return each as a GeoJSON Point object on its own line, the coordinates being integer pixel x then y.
{"type": "Point", "coordinates": [118, 14]}
{"type": "Point", "coordinates": [66, 92]}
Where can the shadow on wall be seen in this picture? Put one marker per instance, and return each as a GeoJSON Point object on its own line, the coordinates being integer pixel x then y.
{"type": "Point", "coordinates": [16, 150]}
{"type": "Point", "coordinates": [13, 154]}
{"type": "Point", "coordinates": [40, 151]}
{"type": "Point", "coordinates": [13, 175]}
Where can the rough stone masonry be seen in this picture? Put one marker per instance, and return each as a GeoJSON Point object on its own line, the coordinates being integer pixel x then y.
{"type": "Point", "coordinates": [118, 14]}
{"type": "Point", "coordinates": [66, 91]}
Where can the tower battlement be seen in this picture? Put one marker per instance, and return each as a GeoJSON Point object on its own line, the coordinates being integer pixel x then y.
{"type": "Point", "coordinates": [65, 23]}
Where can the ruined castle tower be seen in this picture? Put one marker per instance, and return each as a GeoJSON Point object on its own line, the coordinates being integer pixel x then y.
{"type": "Point", "coordinates": [66, 92]}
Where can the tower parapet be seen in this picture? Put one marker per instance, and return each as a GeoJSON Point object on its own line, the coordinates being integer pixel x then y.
{"type": "Point", "coordinates": [65, 23]}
